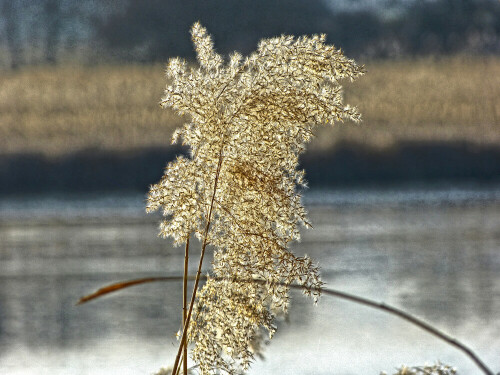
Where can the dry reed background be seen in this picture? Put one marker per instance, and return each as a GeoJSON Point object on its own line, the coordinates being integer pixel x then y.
{"type": "Point", "coordinates": [55, 110]}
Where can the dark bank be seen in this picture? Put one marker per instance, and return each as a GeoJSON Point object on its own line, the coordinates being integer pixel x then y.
{"type": "Point", "coordinates": [349, 164]}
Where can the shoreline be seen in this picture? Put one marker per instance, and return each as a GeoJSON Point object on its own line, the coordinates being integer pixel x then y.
{"type": "Point", "coordinates": [348, 164]}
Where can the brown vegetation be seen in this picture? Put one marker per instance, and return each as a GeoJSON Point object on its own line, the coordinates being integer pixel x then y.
{"type": "Point", "coordinates": [450, 99]}
{"type": "Point", "coordinates": [61, 109]}
{"type": "Point", "coordinates": [56, 110]}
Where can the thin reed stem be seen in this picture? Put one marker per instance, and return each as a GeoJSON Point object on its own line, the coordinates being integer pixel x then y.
{"type": "Point", "coordinates": [198, 273]}
{"type": "Point", "coordinates": [184, 300]}
{"type": "Point", "coordinates": [331, 292]}
{"type": "Point", "coordinates": [180, 363]}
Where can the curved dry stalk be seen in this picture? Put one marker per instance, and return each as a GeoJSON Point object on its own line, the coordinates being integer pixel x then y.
{"type": "Point", "coordinates": [122, 285]}
{"type": "Point", "coordinates": [331, 292]}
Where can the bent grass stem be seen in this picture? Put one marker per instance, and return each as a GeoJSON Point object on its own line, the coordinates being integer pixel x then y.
{"type": "Point", "coordinates": [331, 292]}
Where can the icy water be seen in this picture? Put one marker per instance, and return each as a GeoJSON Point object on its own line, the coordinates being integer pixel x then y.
{"type": "Point", "coordinates": [432, 252]}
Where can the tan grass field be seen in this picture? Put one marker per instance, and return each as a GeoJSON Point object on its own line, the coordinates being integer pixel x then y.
{"type": "Point", "coordinates": [56, 110]}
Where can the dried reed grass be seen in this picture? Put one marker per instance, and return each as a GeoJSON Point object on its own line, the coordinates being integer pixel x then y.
{"type": "Point", "coordinates": [57, 110]}
{"type": "Point", "coordinates": [448, 99]}
{"type": "Point", "coordinates": [62, 109]}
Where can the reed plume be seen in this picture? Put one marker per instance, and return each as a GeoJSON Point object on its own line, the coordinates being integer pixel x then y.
{"type": "Point", "coordinates": [238, 191]}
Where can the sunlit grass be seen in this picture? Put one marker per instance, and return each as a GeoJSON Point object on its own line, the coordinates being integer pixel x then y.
{"type": "Point", "coordinates": [451, 99]}
{"type": "Point", "coordinates": [56, 110]}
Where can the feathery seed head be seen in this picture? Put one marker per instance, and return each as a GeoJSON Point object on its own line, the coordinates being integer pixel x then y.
{"type": "Point", "coordinates": [249, 120]}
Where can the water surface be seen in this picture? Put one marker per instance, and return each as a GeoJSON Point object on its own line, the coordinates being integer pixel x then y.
{"type": "Point", "coordinates": [432, 252]}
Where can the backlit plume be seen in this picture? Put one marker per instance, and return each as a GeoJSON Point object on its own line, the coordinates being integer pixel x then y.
{"type": "Point", "coordinates": [238, 191]}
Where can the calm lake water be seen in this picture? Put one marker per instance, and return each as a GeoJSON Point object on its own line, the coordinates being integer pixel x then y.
{"type": "Point", "coordinates": [432, 252]}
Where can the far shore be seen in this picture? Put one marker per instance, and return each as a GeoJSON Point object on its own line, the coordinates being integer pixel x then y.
{"type": "Point", "coordinates": [349, 164]}
{"type": "Point", "coordinates": [76, 128]}
{"type": "Point", "coordinates": [61, 110]}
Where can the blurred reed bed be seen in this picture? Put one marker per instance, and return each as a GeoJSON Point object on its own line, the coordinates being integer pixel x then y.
{"type": "Point", "coordinates": [59, 109]}
{"type": "Point", "coordinates": [56, 110]}
{"type": "Point", "coordinates": [446, 99]}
